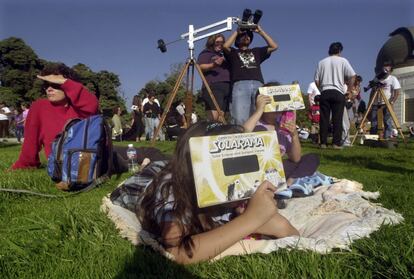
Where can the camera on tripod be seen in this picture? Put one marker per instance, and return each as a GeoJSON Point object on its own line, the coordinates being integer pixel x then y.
{"type": "Point", "coordinates": [249, 20]}
{"type": "Point", "coordinates": [376, 82]}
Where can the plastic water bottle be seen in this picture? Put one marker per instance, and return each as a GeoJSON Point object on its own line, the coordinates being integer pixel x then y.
{"type": "Point", "coordinates": [132, 159]}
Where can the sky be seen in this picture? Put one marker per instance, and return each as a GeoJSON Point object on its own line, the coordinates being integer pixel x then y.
{"type": "Point", "coordinates": [121, 36]}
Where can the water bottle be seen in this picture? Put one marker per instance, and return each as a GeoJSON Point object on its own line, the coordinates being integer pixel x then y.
{"type": "Point", "coordinates": [132, 159]}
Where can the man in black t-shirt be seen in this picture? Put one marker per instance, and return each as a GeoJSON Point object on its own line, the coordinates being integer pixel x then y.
{"type": "Point", "coordinates": [245, 71]}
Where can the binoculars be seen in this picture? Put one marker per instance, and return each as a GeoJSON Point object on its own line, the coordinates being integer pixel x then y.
{"type": "Point", "coordinates": [250, 20]}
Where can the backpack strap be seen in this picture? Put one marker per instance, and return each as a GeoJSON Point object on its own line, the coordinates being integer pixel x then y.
{"type": "Point", "coordinates": [109, 146]}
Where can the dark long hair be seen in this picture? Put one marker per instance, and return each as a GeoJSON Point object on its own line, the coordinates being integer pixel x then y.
{"type": "Point", "coordinates": [181, 185]}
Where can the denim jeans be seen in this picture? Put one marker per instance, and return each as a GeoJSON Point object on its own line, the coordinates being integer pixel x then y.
{"type": "Point", "coordinates": [19, 133]}
{"type": "Point", "coordinates": [243, 100]}
{"type": "Point", "coordinates": [387, 121]}
{"type": "Point", "coordinates": [346, 125]}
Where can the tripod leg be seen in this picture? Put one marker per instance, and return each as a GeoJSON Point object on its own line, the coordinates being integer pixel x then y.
{"type": "Point", "coordinates": [220, 112]}
{"type": "Point", "coordinates": [169, 102]}
{"type": "Point", "coordinates": [189, 94]}
{"type": "Point", "coordinates": [361, 126]}
{"type": "Point", "coordinates": [393, 115]}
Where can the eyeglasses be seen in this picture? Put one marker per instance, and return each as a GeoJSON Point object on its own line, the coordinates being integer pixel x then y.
{"type": "Point", "coordinates": [46, 85]}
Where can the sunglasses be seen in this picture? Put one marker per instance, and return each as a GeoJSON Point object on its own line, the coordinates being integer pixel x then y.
{"type": "Point", "coordinates": [219, 42]}
{"type": "Point", "coordinates": [46, 85]}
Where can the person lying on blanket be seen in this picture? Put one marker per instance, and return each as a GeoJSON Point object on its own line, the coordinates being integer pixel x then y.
{"type": "Point", "coordinates": [296, 165]}
{"type": "Point", "coordinates": [169, 210]}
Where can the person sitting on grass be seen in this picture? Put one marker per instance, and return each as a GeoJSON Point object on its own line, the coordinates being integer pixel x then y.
{"type": "Point", "coordinates": [295, 166]}
{"type": "Point", "coordinates": [169, 210]}
{"type": "Point", "coordinates": [66, 98]}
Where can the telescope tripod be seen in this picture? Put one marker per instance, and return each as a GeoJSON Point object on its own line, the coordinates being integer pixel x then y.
{"type": "Point", "coordinates": [187, 69]}
{"type": "Point", "coordinates": [379, 91]}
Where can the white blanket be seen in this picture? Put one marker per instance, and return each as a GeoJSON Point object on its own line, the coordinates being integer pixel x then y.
{"type": "Point", "coordinates": [333, 217]}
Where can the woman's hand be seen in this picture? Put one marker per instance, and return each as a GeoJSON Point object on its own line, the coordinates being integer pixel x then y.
{"type": "Point", "coordinates": [262, 205]}
{"type": "Point", "coordinates": [57, 79]}
{"type": "Point", "coordinates": [262, 101]}
{"type": "Point", "coordinates": [218, 61]}
{"type": "Point", "coordinates": [290, 126]}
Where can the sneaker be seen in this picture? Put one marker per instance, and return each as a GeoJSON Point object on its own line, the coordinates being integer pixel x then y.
{"type": "Point", "coordinates": [285, 194]}
{"type": "Point", "coordinates": [322, 146]}
{"type": "Point", "coordinates": [338, 147]}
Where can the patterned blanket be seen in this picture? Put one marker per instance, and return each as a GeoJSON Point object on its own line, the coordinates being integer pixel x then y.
{"type": "Point", "coordinates": [333, 217]}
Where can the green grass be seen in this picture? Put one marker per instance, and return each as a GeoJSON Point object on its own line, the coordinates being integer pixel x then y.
{"type": "Point", "coordinates": [71, 238]}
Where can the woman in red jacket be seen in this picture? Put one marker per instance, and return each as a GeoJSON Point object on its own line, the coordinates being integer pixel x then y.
{"type": "Point", "coordinates": [66, 99]}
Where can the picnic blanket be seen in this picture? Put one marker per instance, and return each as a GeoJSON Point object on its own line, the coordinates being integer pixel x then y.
{"type": "Point", "coordinates": [333, 217]}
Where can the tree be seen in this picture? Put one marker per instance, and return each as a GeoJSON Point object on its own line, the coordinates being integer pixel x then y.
{"type": "Point", "coordinates": [9, 97]}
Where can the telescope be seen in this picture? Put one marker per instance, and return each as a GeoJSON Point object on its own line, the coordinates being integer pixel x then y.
{"type": "Point", "coordinates": [376, 82]}
{"type": "Point", "coordinates": [248, 21]}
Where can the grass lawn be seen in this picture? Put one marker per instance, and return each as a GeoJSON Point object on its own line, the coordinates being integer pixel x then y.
{"type": "Point", "coordinates": [71, 238]}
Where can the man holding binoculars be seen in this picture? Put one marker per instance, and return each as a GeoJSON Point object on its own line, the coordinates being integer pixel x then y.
{"type": "Point", "coordinates": [246, 74]}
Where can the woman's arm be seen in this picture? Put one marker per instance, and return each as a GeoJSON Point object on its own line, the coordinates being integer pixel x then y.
{"type": "Point", "coordinates": [207, 245]}
{"type": "Point", "coordinates": [295, 151]}
{"type": "Point", "coordinates": [81, 100]}
{"type": "Point", "coordinates": [209, 66]}
{"type": "Point", "coordinates": [230, 41]}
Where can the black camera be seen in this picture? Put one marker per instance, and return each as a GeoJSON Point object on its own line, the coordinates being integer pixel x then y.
{"type": "Point", "coordinates": [376, 82]}
{"type": "Point", "coordinates": [249, 20]}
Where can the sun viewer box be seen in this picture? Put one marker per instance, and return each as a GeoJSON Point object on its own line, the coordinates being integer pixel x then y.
{"type": "Point", "coordinates": [284, 97]}
{"type": "Point", "coordinates": [230, 167]}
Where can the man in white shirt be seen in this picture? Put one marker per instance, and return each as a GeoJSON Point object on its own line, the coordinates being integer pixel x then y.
{"type": "Point", "coordinates": [4, 121]}
{"type": "Point", "coordinates": [330, 77]}
{"type": "Point", "coordinates": [312, 92]}
{"type": "Point", "coordinates": [391, 88]}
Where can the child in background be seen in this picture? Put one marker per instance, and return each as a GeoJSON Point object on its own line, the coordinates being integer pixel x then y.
{"type": "Point", "coordinates": [300, 171]}
{"type": "Point", "coordinates": [314, 116]}
{"type": "Point", "coordinates": [169, 210]}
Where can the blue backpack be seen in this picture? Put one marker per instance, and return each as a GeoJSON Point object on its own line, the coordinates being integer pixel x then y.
{"type": "Point", "coordinates": [81, 154]}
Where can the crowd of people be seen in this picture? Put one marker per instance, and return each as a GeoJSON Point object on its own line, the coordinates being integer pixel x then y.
{"type": "Point", "coordinates": [168, 208]}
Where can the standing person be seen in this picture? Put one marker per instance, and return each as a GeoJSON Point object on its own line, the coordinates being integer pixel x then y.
{"type": "Point", "coordinates": [147, 121]}
{"type": "Point", "coordinates": [315, 116]}
{"type": "Point", "coordinates": [66, 99]}
{"type": "Point", "coordinates": [25, 109]}
{"type": "Point", "coordinates": [152, 112]}
{"type": "Point", "coordinates": [137, 125]}
{"type": "Point", "coordinates": [117, 124]}
{"type": "Point", "coordinates": [19, 122]}
{"type": "Point", "coordinates": [313, 91]}
{"type": "Point", "coordinates": [4, 121]}
{"type": "Point", "coordinates": [361, 110]}
{"type": "Point", "coordinates": [246, 74]}
{"type": "Point", "coordinates": [330, 77]}
{"type": "Point", "coordinates": [168, 208]}
{"type": "Point", "coordinates": [391, 87]}
{"type": "Point", "coordinates": [216, 71]}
